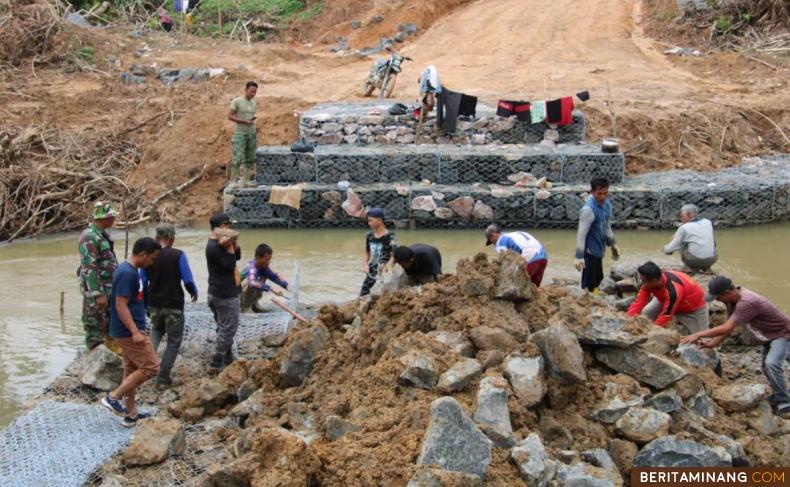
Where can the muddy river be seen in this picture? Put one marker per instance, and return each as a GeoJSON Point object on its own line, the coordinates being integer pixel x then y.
{"type": "Point", "coordinates": [36, 343]}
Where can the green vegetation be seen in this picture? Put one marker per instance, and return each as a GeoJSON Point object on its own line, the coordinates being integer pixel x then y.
{"type": "Point", "coordinates": [723, 24]}
{"type": "Point", "coordinates": [279, 13]}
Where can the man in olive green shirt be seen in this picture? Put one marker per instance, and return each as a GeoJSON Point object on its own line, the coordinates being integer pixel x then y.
{"type": "Point", "coordinates": [244, 143]}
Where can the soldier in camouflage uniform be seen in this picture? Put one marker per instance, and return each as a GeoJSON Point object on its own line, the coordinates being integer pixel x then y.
{"type": "Point", "coordinates": [97, 264]}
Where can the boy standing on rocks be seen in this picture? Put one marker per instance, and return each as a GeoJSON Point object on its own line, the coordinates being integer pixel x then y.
{"type": "Point", "coordinates": [764, 319]}
{"type": "Point", "coordinates": [379, 244]}
{"type": "Point", "coordinates": [244, 142]}
{"type": "Point", "coordinates": [127, 327]}
{"type": "Point", "coordinates": [595, 234]}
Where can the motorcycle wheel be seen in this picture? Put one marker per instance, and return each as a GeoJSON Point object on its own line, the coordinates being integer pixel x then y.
{"type": "Point", "coordinates": [367, 89]}
{"type": "Point", "coordinates": [390, 86]}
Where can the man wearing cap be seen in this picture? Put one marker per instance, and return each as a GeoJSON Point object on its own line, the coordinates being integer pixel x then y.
{"type": "Point", "coordinates": [224, 283]}
{"type": "Point", "coordinates": [379, 243]}
{"type": "Point", "coordinates": [767, 322]}
{"type": "Point", "coordinates": [166, 298]}
{"type": "Point", "coordinates": [670, 294]}
{"type": "Point", "coordinates": [97, 264]}
{"type": "Point", "coordinates": [535, 256]}
{"type": "Point", "coordinates": [695, 240]}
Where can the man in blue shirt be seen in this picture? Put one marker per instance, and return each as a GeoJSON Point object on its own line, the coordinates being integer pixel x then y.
{"type": "Point", "coordinates": [166, 298]}
{"type": "Point", "coordinates": [595, 234]}
{"type": "Point", "coordinates": [254, 276]}
{"type": "Point", "coordinates": [127, 327]}
{"type": "Point", "coordinates": [535, 256]}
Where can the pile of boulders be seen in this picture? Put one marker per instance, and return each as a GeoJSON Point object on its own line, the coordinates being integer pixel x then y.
{"type": "Point", "coordinates": [479, 377]}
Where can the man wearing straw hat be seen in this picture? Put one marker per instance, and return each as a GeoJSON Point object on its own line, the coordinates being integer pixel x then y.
{"type": "Point", "coordinates": [97, 264]}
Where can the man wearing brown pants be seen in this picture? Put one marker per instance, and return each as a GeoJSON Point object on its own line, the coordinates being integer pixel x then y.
{"type": "Point", "coordinates": [127, 326]}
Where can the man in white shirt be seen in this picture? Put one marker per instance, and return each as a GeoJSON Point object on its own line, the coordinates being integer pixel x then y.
{"type": "Point", "coordinates": [694, 238]}
{"type": "Point", "coordinates": [535, 256]}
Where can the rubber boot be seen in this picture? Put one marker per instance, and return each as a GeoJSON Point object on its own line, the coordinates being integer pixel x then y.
{"type": "Point", "coordinates": [248, 176]}
{"type": "Point", "coordinates": [234, 177]}
{"type": "Point", "coordinates": [228, 358]}
{"type": "Point", "coordinates": [216, 363]}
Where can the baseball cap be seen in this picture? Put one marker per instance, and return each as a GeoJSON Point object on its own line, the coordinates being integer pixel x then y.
{"type": "Point", "coordinates": [718, 286]}
{"type": "Point", "coordinates": [490, 230]}
{"type": "Point", "coordinates": [102, 210]}
{"type": "Point", "coordinates": [165, 230]}
{"type": "Point", "coordinates": [376, 213]}
{"type": "Point", "coordinates": [218, 219]}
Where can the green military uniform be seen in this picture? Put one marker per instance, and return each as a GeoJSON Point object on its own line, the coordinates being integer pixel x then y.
{"type": "Point", "coordinates": [244, 142]}
{"type": "Point", "coordinates": [97, 264]}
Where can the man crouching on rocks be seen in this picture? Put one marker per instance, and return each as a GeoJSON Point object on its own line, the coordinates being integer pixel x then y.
{"type": "Point", "coordinates": [127, 327]}
{"type": "Point", "coordinates": [765, 320]}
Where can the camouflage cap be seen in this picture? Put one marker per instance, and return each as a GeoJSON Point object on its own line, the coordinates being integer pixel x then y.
{"type": "Point", "coordinates": [165, 230]}
{"type": "Point", "coordinates": [102, 210]}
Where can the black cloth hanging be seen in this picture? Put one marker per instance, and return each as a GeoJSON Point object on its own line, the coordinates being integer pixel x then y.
{"type": "Point", "coordinates": [468, 106]}
{"type": "Point", "coordinates": [508, 108]}
{"type": "Point", "coordinates": [447, 110]}
{"type": "Point", "coordinates": [554, 111]}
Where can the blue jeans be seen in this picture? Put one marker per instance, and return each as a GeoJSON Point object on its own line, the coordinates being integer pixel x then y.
{"type": "Point", "coordinates": [774, 354]}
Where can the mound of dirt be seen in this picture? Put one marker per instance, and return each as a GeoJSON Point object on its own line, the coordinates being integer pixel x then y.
{"type": "Point", "coordinates": [357, 416]}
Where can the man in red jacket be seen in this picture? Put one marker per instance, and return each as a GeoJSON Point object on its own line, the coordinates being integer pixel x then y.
{"type": "Point", "coordinates": [674, 294]}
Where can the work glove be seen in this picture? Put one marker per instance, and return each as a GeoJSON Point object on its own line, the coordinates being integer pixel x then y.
{"type": "Point", "coordinates": [615, 252]}
{"type": "Point", "coordinates": [579, 264]}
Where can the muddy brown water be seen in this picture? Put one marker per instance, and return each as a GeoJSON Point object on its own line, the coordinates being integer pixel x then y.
{"type": "Point", "coordinates": [36, 345]}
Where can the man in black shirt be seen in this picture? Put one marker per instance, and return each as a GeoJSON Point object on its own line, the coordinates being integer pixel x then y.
{"type": "Point", "coordinates": [422, 263]}
{"type": "Point", "coordinates": [222, 253]}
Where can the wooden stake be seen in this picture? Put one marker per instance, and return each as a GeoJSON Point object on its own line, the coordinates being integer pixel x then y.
{"type": "Point", "coordinates": [219, 18]}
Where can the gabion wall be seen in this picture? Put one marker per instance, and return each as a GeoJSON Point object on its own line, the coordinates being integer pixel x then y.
{"type": "Point", "coordinates": [756, 192]}
{"type": "Point", "coordinates": [443, 164]}
{"type": "Point", "coordinates": [370, 123]}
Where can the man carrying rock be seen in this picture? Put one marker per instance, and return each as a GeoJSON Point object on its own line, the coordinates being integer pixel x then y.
{"type": "Point", "coordinates": [127, 326]}
{"type": "Point", "coordinates": [244, 142]}
{"type": "Point", "coordinates": [254, 276]}
{"type": "Point", "coordinates": [668, 294]}
{"type": "Point", "coordinates": [535, 256]}
{"type": "Point", "coordinates": [694, 238]}
{"type": "Point", "coordinates": [767, 322]}
{"type": "Point", "coordinates": [594, 235]}
{"type": "Point", "coordinates": [97, 264]}
{"type": "Point", "coordinates": [422, 263]}
{"type": "Point", "coordinates": [224, 283]}
{"type": "Point", "coordinates": [166, 298]}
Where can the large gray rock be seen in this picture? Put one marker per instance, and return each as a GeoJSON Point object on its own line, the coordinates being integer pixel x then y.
{"type": "Point", "coordinates": [453, 442]}
{"type": "Point", "coordinates": [455, 340]}
{"type": "Point", "coordinates": [666, 401]}
{"type": "Point", "coordinates": [562, 352]}
{"type": "Point", "coordinates": [670, 451]}
{"type": "Point", "coordinates": [611, 409]}
{"type": "Point", "coordinates": [491, 338]}
{"type": "Point", "coordinates": [534, 464]}
{"type": "Point", "coordinates": [701, 404]}
{"type": "Point", "coordinates": [643, 366]}
{"type": "Point", "coordinates": [694, 356]}
{"type": "Point", "coordinates": [512, 281]}
{"type": "Point", "coordinates": [642, 425]}
{"type": "Point", "coordinates": [420, 370]}
{"type": "Point", "coordinates": [740, 397]}
{"type": "Point", "coordinates": [457, 377]}
{"type": "Point", "coordinates": [526, 377]}
{"type": "Point", "coordinates": [337, 427]}
{"type": "Point", "coordinates": [298, 362]}
{"type": "Point", "coordinates": [764, 421]}
{"type": "Point", "coordinates": [154, 440]}
{"type": "Point", "coordinates": [492, 414]}
{"type": "Point", "coordinates": [600, 458]}
{"type": "Point", "coordinates": [622, 271]}
{"type": "Point", "coordinates": [102, 369]}
{"type": "Point", "coordinates": [583, 474]}
{"type": "Point", "coordinates": [608, 330]}
{"type": "Point", "coordinates": [250, 407]}
{"type": "Point", "coordinates": [390, 280]}
{"type": "Point", "coordinates": [661, 341]}
{"type": "Point", "coordinates": [435, 477]}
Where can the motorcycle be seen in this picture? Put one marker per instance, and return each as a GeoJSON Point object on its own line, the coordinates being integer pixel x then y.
{"type": "Point", "coordinates": [383, 75]}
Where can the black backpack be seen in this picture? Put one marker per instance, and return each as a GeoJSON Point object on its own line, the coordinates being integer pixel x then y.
{"type": "Point", "coordinates": [302, 145]}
